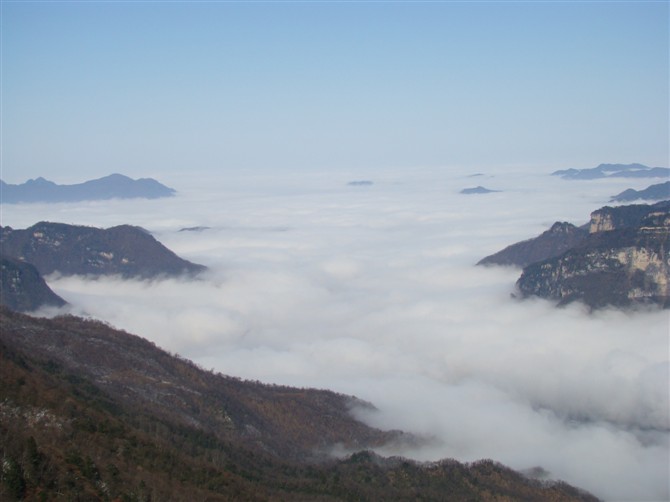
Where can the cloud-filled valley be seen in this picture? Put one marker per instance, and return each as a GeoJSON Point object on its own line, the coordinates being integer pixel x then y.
{"type": "Point", "coordinates": [372, 291]}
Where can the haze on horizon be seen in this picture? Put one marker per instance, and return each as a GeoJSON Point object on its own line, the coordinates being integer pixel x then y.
{"type": "Point", "coordinates": [151, 89]}
{"type": "Point", "coordinates": [372, 291]}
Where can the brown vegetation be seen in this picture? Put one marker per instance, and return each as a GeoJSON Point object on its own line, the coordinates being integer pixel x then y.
{"type": "Point", "coordinates": [91, 413]}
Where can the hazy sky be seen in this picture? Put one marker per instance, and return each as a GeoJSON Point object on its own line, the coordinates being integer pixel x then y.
{"type": "Point", "coordinates": [144, 88]}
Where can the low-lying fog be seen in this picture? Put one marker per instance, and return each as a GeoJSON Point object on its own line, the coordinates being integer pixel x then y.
{"type": "Point", "coordinates": [371, 290]}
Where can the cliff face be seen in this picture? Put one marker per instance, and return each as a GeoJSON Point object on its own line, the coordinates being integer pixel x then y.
{"type": "Point", "coordinates": [623, 262]}
{"type": "Point", "coordinates": [619, 276]}
{"type": "Point", "coordinates": [632, 216]}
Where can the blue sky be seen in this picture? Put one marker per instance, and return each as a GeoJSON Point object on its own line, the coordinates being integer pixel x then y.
{"type": "Point", "coordinates": [144, 88]}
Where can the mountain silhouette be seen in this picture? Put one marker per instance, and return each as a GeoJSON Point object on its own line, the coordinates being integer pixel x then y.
{"type": "Point", "coordinates": [114, 186]}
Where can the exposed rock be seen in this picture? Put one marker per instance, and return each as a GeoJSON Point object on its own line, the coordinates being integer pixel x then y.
{"type": "Point", "coordinates": [631, 216]}
{"type": "Point", "coordinates": [78, 250]}
{"type": "Point", "coordinates": [360, 183]}
{"type": "Point", "coordinates": [619, 258]}
{"type": "Point", "coordinates": [615, 265]}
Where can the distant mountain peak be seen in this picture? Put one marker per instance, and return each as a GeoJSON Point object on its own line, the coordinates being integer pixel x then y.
{"type": "Point", "coordinates": [613, 171]}
{"type": "Point", "coordinates": [40, 181]}
{"type": "Point", "coordinates": [477, 190]}
{"type": "Point", "coordinates": [114, 186]}
{"type": "Point", "coordinates": [621, 167]}
{"type": "Point", "coordinates": [658, 191]}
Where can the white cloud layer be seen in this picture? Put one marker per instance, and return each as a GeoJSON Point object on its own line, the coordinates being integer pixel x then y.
{"type": "Point", "coordinates": [372, 291]}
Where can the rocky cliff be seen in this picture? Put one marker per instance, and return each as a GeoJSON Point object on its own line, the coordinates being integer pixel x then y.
{"type": "Point", "coordinates": [623, 262]}
{"type": "Point", "coordinates": [630, 216]}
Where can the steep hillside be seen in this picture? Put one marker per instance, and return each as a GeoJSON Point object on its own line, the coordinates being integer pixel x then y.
{"type": "Point", "coordinates": [114, 186]}
{"type": "Point", "coordinates": [70, 249]}
{"type": "Point", "coordinates": [22, 288]}
{"type": "Point", "coordinates": [553, 242]}
{"type": "Point", "coordinates": [623, 262]}
{"type": "Point", "coordinates": [91, 413]}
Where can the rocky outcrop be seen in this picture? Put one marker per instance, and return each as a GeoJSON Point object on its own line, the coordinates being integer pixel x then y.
{"type": "Point", "coordinates": [78, 250]}
{"type": "Point", "coordinates": [631, 216]}
{"type": "Point", "coordinates": [618, 264]}
{"type": "Point", "coordinates": [620, 258]}
{"type": "Point", "coordinates": [23, 289]}
{"type": "Point", "coordinates": [553, 242]}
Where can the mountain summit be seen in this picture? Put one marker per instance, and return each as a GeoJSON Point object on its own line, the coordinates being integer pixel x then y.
{"type": "Point", "coordinates": [614, 171]}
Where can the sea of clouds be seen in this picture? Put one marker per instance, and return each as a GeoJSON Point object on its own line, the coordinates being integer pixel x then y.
{"type": "Point", "coordinates": [372, 290]}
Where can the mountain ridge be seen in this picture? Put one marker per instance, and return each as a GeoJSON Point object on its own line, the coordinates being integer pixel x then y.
{"type": "Point", "coordinates": [81, 250]}
{"type": "Point", "coordinates": [88, 412]}
{"type": "Point", "coordinates": [553, 242]}
{"type": "Point", "coordinates": [113, 186]}
{"type": "Point", "coordinates": [658, 191]}
{"type": "Point", "coordinates": [613, 171]}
